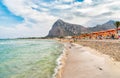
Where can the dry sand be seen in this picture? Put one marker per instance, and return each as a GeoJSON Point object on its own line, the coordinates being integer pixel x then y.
{"type": "Point", "coordinates": [84, 62]}
{"type": "Point", "coordinates": [109, 47]}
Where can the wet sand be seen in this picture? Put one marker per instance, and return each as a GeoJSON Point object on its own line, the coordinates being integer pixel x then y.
{"type": "Point", "coordinates": [84, 62]}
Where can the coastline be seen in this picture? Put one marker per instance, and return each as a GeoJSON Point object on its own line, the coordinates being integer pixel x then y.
{"type": "Point", "coordinates": [75, 59]}
{"type": "Point", "coordinates": [80, 54]}
{"type": "Point", "coordinates": [61, 61]}
{"type": "Point", "coordinates": [38, 55]}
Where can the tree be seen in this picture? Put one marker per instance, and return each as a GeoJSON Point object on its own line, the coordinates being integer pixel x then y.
{"type": "Point", "coordinates": [117, 24]}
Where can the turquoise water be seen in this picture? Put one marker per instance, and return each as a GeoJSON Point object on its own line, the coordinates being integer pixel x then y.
{"type": "Point", "coordinates": [28, 58]}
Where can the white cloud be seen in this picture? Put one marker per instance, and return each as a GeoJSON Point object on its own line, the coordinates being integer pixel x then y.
{"type": "Point", "coordinates": [39, 16]}
{"type": "Point", "coordinates": [36, 23]}
{"type": "Point", "coordinates": [88, 1]}
{"type": "Point", "coordinates": [67, 0]}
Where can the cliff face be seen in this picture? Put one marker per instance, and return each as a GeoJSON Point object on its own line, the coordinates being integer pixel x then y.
{"type": "Point", "coordinates": [61, 29]}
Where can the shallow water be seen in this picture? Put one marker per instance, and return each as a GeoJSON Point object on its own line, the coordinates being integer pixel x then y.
{"type": "Point", "coordinates": [28, 58]}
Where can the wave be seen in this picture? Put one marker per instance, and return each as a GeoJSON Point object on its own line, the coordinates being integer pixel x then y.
{"type": "Point", "coordinates": [60, 64]}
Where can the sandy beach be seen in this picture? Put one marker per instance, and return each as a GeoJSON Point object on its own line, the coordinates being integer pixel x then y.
{"type": "Point", "coordinates": [108, 47]}
{"type": "Point", "coordinates": [85, 62]}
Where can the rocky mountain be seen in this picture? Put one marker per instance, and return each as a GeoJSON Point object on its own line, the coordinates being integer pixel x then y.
{"type": "Point", "coordinates": [61, 28]}
{"type": "Point", "coordinates": [106, 26]}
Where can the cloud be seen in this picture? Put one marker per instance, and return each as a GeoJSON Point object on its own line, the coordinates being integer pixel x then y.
{"type": "Point", "coordinates": [88, 1]}
{"type": "Point", "coordinates": [67, 0]}
{"type": "Point", "coordinates": [35, 23]}
{"type": "Point", "coordinates": [39, 15]}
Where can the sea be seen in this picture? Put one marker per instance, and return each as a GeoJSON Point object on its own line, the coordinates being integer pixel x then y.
{"type": "Point", "coordinates": [28, 58]}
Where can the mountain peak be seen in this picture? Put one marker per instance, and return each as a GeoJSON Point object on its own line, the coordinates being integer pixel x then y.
{"type": "Point", "coordinates": [61, 29]}
{"type": "Point", "coordinates": [59, 20]}
{"type": "Point", "coordinates": [110, 22]}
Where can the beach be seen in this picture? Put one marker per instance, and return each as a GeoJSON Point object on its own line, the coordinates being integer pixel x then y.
{"type": "Point", "coordinates": [108, 47]}
{"type": "Point", "coordinates": [54, 58]}
{"type": "Point", "coordinates": [85, 61]}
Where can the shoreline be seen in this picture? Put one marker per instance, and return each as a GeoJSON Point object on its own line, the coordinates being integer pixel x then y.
{"type": "Point", "coordinates": [76, 61]}
{"type": "Point", "coordinates": [82, 62]}
{"type": "Point", "coordinates": [61, 61]}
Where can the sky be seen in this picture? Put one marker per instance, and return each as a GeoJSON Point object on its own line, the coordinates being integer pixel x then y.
{"type": "Point", "coordinates": [34, 18]}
